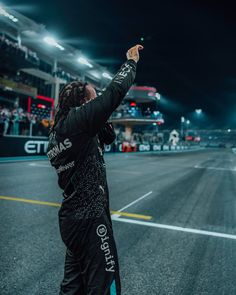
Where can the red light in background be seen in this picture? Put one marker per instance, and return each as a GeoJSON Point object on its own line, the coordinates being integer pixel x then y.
{"type": "Point", "coordinates": [189, 138]}
{"type": "Point", "coordinates": [160, 121]}
{"type": "Point", "coordinates": [29, 104]}
{"type": "Point", "coordinates": [144, 88]}
{"type": "Point", "coordinates": [41, 106]}
{"type": "Point", "coordinates": [133, 104]}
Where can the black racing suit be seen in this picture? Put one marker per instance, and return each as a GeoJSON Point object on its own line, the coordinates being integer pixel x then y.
{"type": "Point", "coordinates": [75, 150]}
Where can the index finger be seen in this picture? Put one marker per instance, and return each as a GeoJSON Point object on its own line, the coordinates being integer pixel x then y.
{"type": "Point", "coordinates": [139, 47]}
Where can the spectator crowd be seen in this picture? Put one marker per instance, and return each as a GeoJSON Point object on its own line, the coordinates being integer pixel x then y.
{"type": "Point", "coordinates": [129, 111]}
{"type": "Point", "coordinates": [141, 137]}
{"type": "Point", "coordinates": [17, 50]}
{"type": "Point", "coordinates": [16, 121]}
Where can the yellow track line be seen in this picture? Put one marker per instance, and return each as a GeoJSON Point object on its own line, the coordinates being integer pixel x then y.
{"type": "Point", "coordinates": [30, 201]}
{"type": "Point", "coordinates": [132, 215]}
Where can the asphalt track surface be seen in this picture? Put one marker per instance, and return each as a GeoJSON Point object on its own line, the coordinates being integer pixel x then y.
{"type": "Point", "coordinates": [183, 240]}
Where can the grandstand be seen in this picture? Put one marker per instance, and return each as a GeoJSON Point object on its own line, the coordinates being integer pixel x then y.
{"type": "Point", "coordinates": [32, 73]}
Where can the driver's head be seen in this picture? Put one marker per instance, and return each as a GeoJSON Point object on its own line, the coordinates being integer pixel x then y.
{"type": "Point", "coordinates": [90, 93]}
{"type": "Point", "coordinates": [75, 94]}
{"type": "Point", "coordinates": [72, 95]}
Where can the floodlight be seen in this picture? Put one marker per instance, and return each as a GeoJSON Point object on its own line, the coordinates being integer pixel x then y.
{"type": "Point", "coordinates": [198, 111]}
{"type": "Point", "coordinates": [107, 76]}
{"type": "Point", "coordinates": [158, 96]}
{"type": "Point", "coordinates": [51, 41]}
{"type": "Point", "coordinates": [84, 61]}
{"type": "Point", "coordinates": [8, 15]}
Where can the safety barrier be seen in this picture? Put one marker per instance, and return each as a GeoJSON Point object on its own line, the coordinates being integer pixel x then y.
{"type": "Point", "coordinates": [127, 147]}
{"type": "Point", "coordinates": [14, 146]}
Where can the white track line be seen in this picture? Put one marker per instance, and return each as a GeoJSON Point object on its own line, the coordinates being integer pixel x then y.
{"type": "Point", "coordinates": [125, 171]}
{"type": "Point", "coordinates": [136, 201]}
{"type": "Point", "coordinates": [39, 165]}
{"type": "Point", "coordinates": [175, 228]}
{"type": "Point", "coordinates": [215, 168]}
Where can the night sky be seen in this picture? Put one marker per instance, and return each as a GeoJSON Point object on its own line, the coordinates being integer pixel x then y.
{"type": "Point", "coordinates": [190, 47]}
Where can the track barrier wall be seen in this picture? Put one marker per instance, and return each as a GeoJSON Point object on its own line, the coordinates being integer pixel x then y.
{"type": "Point", "coordinates": [15, 146]}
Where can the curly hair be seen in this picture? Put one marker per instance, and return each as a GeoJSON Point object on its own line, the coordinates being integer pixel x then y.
{"type": "Point", "coordinates": [71, 95]}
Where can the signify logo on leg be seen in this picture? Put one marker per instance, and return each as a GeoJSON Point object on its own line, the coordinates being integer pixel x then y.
{"type": "Point", "coordinates": [105, 247]}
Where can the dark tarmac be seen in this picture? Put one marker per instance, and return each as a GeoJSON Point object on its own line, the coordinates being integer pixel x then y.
{"type": "Point", "coordinates": [183, 240]}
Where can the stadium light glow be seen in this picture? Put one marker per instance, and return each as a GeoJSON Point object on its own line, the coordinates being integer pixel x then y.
{"type": "Point", "coordinates": [188, 122]}
{"type": "Point", "coordinates": [84, 61]}
{"type": "Point", "coordinates": [96, 74]}
{"type": "Point", "coordinates": [158, 96]}
{"type": "Point", "coordinates": [51, 41]}
{"type": "Point", "coordinates": [107, 76]}
{"type": "Point", "coordinates": [8, 15]}
{"type": "Point", "coordinates": [198, 111]}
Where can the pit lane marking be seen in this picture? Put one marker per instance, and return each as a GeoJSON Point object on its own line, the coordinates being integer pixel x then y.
{"type": "Point", "coordinates": [175, 228]}
{"type": "Point", "coordinates": [120, 213]}
{"type": "Point", "coordinates": [139, 222]}
{"type": "Point", "coordinates": [30, 201]}
{"type": "Point", "coordinates": [132, 215]}
{"type": "Point", "coordinates": [136, 201]}
{"type": "Point", "coordinates": [126, 214]}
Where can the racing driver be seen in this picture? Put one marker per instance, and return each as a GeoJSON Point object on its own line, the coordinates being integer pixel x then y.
{"type": "Point", "coordinates": [75, 150]}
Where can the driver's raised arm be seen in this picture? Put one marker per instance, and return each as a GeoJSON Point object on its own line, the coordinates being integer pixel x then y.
{"type": "Point", "coordinates": [91, 116]}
